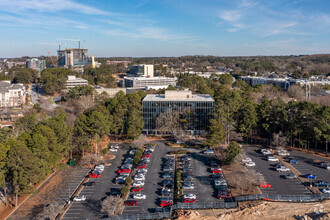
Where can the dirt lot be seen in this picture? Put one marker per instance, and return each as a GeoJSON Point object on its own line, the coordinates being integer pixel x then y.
{"type": "Point", "coordinates": [262, 210]}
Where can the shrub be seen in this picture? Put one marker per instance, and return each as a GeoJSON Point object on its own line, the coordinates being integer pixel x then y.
{"type": "Point", "coordinates": [154, 144]}
{"type": "Point", "coordinates": [129, 181]}
{"type": "Point", "coordinates": [232, 151]}
{"type": "Point", "coordinates": [105, 151]}
{"type": "Point", "coordinates": [124, 190]}
{"type": "Point", "coordinates": [136, 159]}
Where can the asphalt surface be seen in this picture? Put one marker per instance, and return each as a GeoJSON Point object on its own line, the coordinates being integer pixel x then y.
{"type": "Point", "coordinates": [91, 208]}
{"type": "Point", "coordinates": [306, 165]}
{"type": "Point", "coordinates": [151, 184]}
{"type": "Point", "coordinates": [279, 185]}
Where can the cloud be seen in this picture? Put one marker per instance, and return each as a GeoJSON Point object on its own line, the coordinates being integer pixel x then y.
{"type": "Point", "coordinates": [231, 15]}
{"type": "Point", "coordinates": [47, 6]}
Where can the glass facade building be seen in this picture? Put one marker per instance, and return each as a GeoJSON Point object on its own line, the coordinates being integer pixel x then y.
{"type": "Point", "coordinates": [196, 110]}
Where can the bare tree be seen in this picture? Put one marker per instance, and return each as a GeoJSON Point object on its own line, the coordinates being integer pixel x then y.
{"type": "Point", "coordinates": [90, 159]}
{"type": "Point", "coordinates": [220, 153]}
{"type": "Point", "coordinates": [140, 141]}
{"type": "Point", "coordinates": [86, 102]}
{"type": "Point", "coordinates": [49, 212]}
{"type": "Point", "coordinates": [296, 92]}
{"type": "Point", "coordinates": [279, 140]}
{"type": "Point", "coordinates": [169, 121]}
{"type": "Point", "coordinates": [109, 205]}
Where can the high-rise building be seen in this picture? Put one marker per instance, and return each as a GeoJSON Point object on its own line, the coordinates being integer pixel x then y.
{"type": "Point", "coordinates": [74, 59]}
{"type": "Point", "coordinates": [197, 110]}
{"type": "Point", "coordinates": [11, 95]}
{"type": "Point", "coordinates": [36, 64]}
{"type": "Point", "coordinates": [141, 70]}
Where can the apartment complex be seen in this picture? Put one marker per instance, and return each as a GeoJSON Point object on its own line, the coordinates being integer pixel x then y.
{"type": "Point", "coordinates": [145, 82]}
{"type": "Point", "coordinates": [36, 64]}
{"type": "Point", "coordinates": [195, 109]}
{"type": "Point", "coordinates": [11, 95]}
{"type": "Point", "coordinates": [73, 81]}
{"type": "Point", "coordinates": [141, 70]}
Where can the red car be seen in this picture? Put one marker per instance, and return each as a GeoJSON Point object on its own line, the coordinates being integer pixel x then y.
{"type": "Point", "coordinates": [130, 203]}
{"type": "Point", "coordinates": [223, 195]}
{"type": "Point", "coordinates": [124, 171]}
{"type": "Point", "coordinates": [140, 166]}
{"type": "Point", "coordinates": [145, 156]}
{"type": "Point", "coordinates": [187, 200]}
{"type": "Point", "coordinates": [136, 189]}
{"type": "Point", "coordinates": [216, 171]}
{"type": "Point", "coordinates": [165, 203]}
{"type": "Point", "coordinates": [265, 185]}
{"type": "Point", "coordinates": [94, 175]}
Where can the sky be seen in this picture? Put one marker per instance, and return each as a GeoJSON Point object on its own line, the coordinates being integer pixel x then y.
{"type": "Point", "coordinates": [144, 28]}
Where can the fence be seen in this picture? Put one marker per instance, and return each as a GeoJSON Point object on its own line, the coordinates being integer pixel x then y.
{"type": "Point", "coordinates": [204, 205]}
{"type": "Point", "coordinates": [159, 215]}
{"type": "Point", "coordinates": [285, 198]}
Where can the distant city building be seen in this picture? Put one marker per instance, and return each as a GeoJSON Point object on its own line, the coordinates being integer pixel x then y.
{"type": "Point", "coordinates": [143, 82]}
{"type": "Point", "coordinates": [141, 70]}
{"type": "Point", "coordinates": [72, 82]}
{"type": "Point", "coordinates": [110, 62]}
{"type": "Point", "coordinates": [10, 64]}
{"type": "Point", "coordinates": [110, 91]}
{"type": "Point", "coordinates": [36, 64]}
{"type": "Point", "coordinates": [75, 59]}
{"type": "Point", "coordinates": [11, 95]}
{"type": "Point", "coordinates": [197, 108]}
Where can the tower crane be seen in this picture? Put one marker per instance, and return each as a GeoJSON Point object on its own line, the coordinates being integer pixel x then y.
{"type": "Point", "coordinates": [76, 40]}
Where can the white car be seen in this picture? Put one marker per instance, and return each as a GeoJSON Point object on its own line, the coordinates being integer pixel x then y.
{"type": "Point", "coordinates": [139, 178]}
{"type": "Point", "coordinates": [282, 169]}
{"type": "Point", "coordinates": [79, 198]}
{"type": "Point", "coordinates": [138, 183]}
{"type": "Point", "coordinates": [272, 159]}
{"type": "Point", "coordinates": [283, 153]}
{"type": "Point", "coordinates": [266, 152]}
{"type": "Point", "coordinates": [126, 166]}
{"type": "Point", "coordinates": [250, 164]}
{"type": "Point", "coordinates": [142, 170]}
{"type": "Point", "coordinates": [113, 149]}
{"type": "Point", "coordinates": [220, 182]}
{"type": "Point", "coordinates": [327, 190]}
{"type": "Point", "coordinates": [246, 160]}
{"type": "Point", "coordinates": [139, 196]}
{"type": "Point", "coordinates": [124, 174]}
{"type": "Point", "coordinates": [189, 196]}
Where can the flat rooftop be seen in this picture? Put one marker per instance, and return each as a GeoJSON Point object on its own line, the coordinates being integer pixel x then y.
{"type": "Point", "coordinates": [178, 96]}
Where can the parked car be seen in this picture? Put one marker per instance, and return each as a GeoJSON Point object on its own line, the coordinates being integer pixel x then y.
{"type": "Point", "coordinates": [120, 179]}
{"type": "Point", "coordinates": [223, 195]}
{"type": "Point", "coordinates": [210, 151]}
{"type": "Point", "coordinates": [124, 175]}
{"type": "Point", "coordinates": [94, 175]}
{"type": "Point", "coordinates": [132, 152]}
{"type": "Point", "coordinates": [112, 149]}
{"type": "Point", "coordinates": [218, 170]}
{"type": "Point", "coordinates": [136, 189]}
{"type": "Point", "coordinates": [130, 203]}
{"type": "Point", "coordinates": [138, 183]}
{"type": "Point", "coordinates": [92, 183]}
{"type": "Point", "coordinates": [250, 164]}
{"type": "Point", "coordinates": [189, 200]}
{"type": "Point", "coordinates": [310, 176]}
{"type": "Point", "coordinates": [139, 178]}
{"type": "Point", "coordinates": [246, 160]}
{"type": "Point", "coordinates": [188, 185]}
{"type": "Point", "coordinates": [165, 203]}
{"type": "Point", "coordinates": [168, 194]}
{"type": "Point", "coordinates": [327, 190]}
{"type": "Point", "coordinates": [283, 153]}
{"type": "Point", "coordinates": [321, 183]}
{"type": "Point", "coordinates": [167, 183]}
{"type": "Point", "coordinates": [142, 165]}
{"type": "Point", "coordinates": [124, 171]}
{"type": "Point", "coordinates": [272, 158]}
{"type": "Point", "coordinates": [294, 161]}
{"type": "Point", "coordinates": [145, 160]}
{"type": "Point", "coordinates": [265, 185]}
{"type": "Point", "coordinates": [168, 168]}
{"type": "Point", "coordinates": [145, 170]}
{"type": "Point", "coordinates": [266, 152]}
{"type": "Point", "coordinates": [115, 192]}
{"type": "Point", "coordinates": [139, 196]}
{"type": "Point", "coordinates": [327, 167]}
{"type": "Point", "coordinates": [79, 198]}
{"type": "Point", "coordinates": [189, 196]}
{"type": "Point", "coordinates": [290, 176]}
{"type": "Point", "coordinates": [187, 178]}
{"type": "Point", "coordinates": [167, 176]}
{"type": "Point", "coordinates": [126, 166]}
{"type": "Point", "coordinates": [145, 156]}
{"type": "Point", "coordinates": [282, 169]}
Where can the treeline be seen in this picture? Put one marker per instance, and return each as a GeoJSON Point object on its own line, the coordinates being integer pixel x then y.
{"type": "Point", "coordinates": [20, 75]}
{"type": "Point", "coordinates": [35, 151]}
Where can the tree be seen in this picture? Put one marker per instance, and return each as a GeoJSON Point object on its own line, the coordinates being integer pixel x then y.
{"type": "Point", "coordinates": [232, 151]}
{"type": "Point", "coordinates": [216, 133]}
{"type": "Point", "coordinates": [322, 128]}
{"type": "Point", "coordinates": [279, 140]}
{"type": "Point", "coordinates": [226, 79]}
{"type": "Point", "coordinates": [169, 121]}
{"type": "Point", "coordinates": [247, 118]}
{"type": "Point", "coordinates": [296, 92]}
{"type": "Point", "coordinates": [109, 205]}
{"type": "Point", "coordinates": [79, 91]}
{"type": "Point", "coordinates": [49, 212]}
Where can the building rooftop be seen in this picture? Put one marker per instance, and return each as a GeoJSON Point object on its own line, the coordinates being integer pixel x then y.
{"type": "Point", "coordinates": [5, 86]}
{"type": "Point", "coordinates": [150, 78]}
{"type": "Point", "coordinates": [179, 96]}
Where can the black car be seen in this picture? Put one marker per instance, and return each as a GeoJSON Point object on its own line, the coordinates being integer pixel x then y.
{"type": "Point", "coordinates": [187, 178]}
{"type": "Point", "coordinates": [89, 184]}
{"type": "Point", "coordinates": [157, 210]}
{"type": "Point", "coordinates": [167, 194]}
{"type": "Point", "coordinates": [114, 191]}
{"type": "Point", "coordinates": [167, 183]}
{"type": "Point", "coordinates": [187, 169]}
{"type": "Point", "coordinates": [186, 174]}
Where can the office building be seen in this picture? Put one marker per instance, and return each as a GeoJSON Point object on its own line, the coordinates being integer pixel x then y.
{"type": "Point", "coordinates": [197, 110]}
{"type": "Point", "coordinates": [36, 64]}
{"type": "Point", "coordinates": [282, 83]}
{"type": "Point", "coordinates": [75, 59]}
{"type": "Point", "coordinates": [144, 82]}
{"type": "Point", "coordinates": [11, 95]}
{"type": "Point", "coordinates": [73, 81]}
{"type": "Point", "coordinates": [141, 70]}
{"type": "Point", "coordinates": [110, 91]}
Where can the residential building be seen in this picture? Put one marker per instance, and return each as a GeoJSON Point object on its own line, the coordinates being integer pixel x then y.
{"type": "Point", "coordinates": [110, 91]}
{"type": "Point", "coordinates": [73, 81]}
{"type": "Point", "coordinates": [36, 64]}
{"type": "Point", "coordinates": [11, 64]}
{"type": "Point", "coordinates": [197, 110]}
{"type": "Point", "coordinates": [143, 82]}
{"type": "Point", "coordinates": [110, 62]}
{"type": "Point", "coordinates": [141, 70]}
{"type": "Point", "coordinates": [75, 59]}
{"type": "Point", "coordinates": [11, 95]}
{"type": "Point", "coordinates": [282, 83]}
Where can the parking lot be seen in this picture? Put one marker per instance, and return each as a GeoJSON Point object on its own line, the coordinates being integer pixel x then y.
{"type": "Point", "coordinates": [151, 184]}
{"type": "Point", "coordinates": [306, 165]}
{"type": "Point", "coordinates": [91, 208]}
{"type": "Point", "coordinates": [279, 185]}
